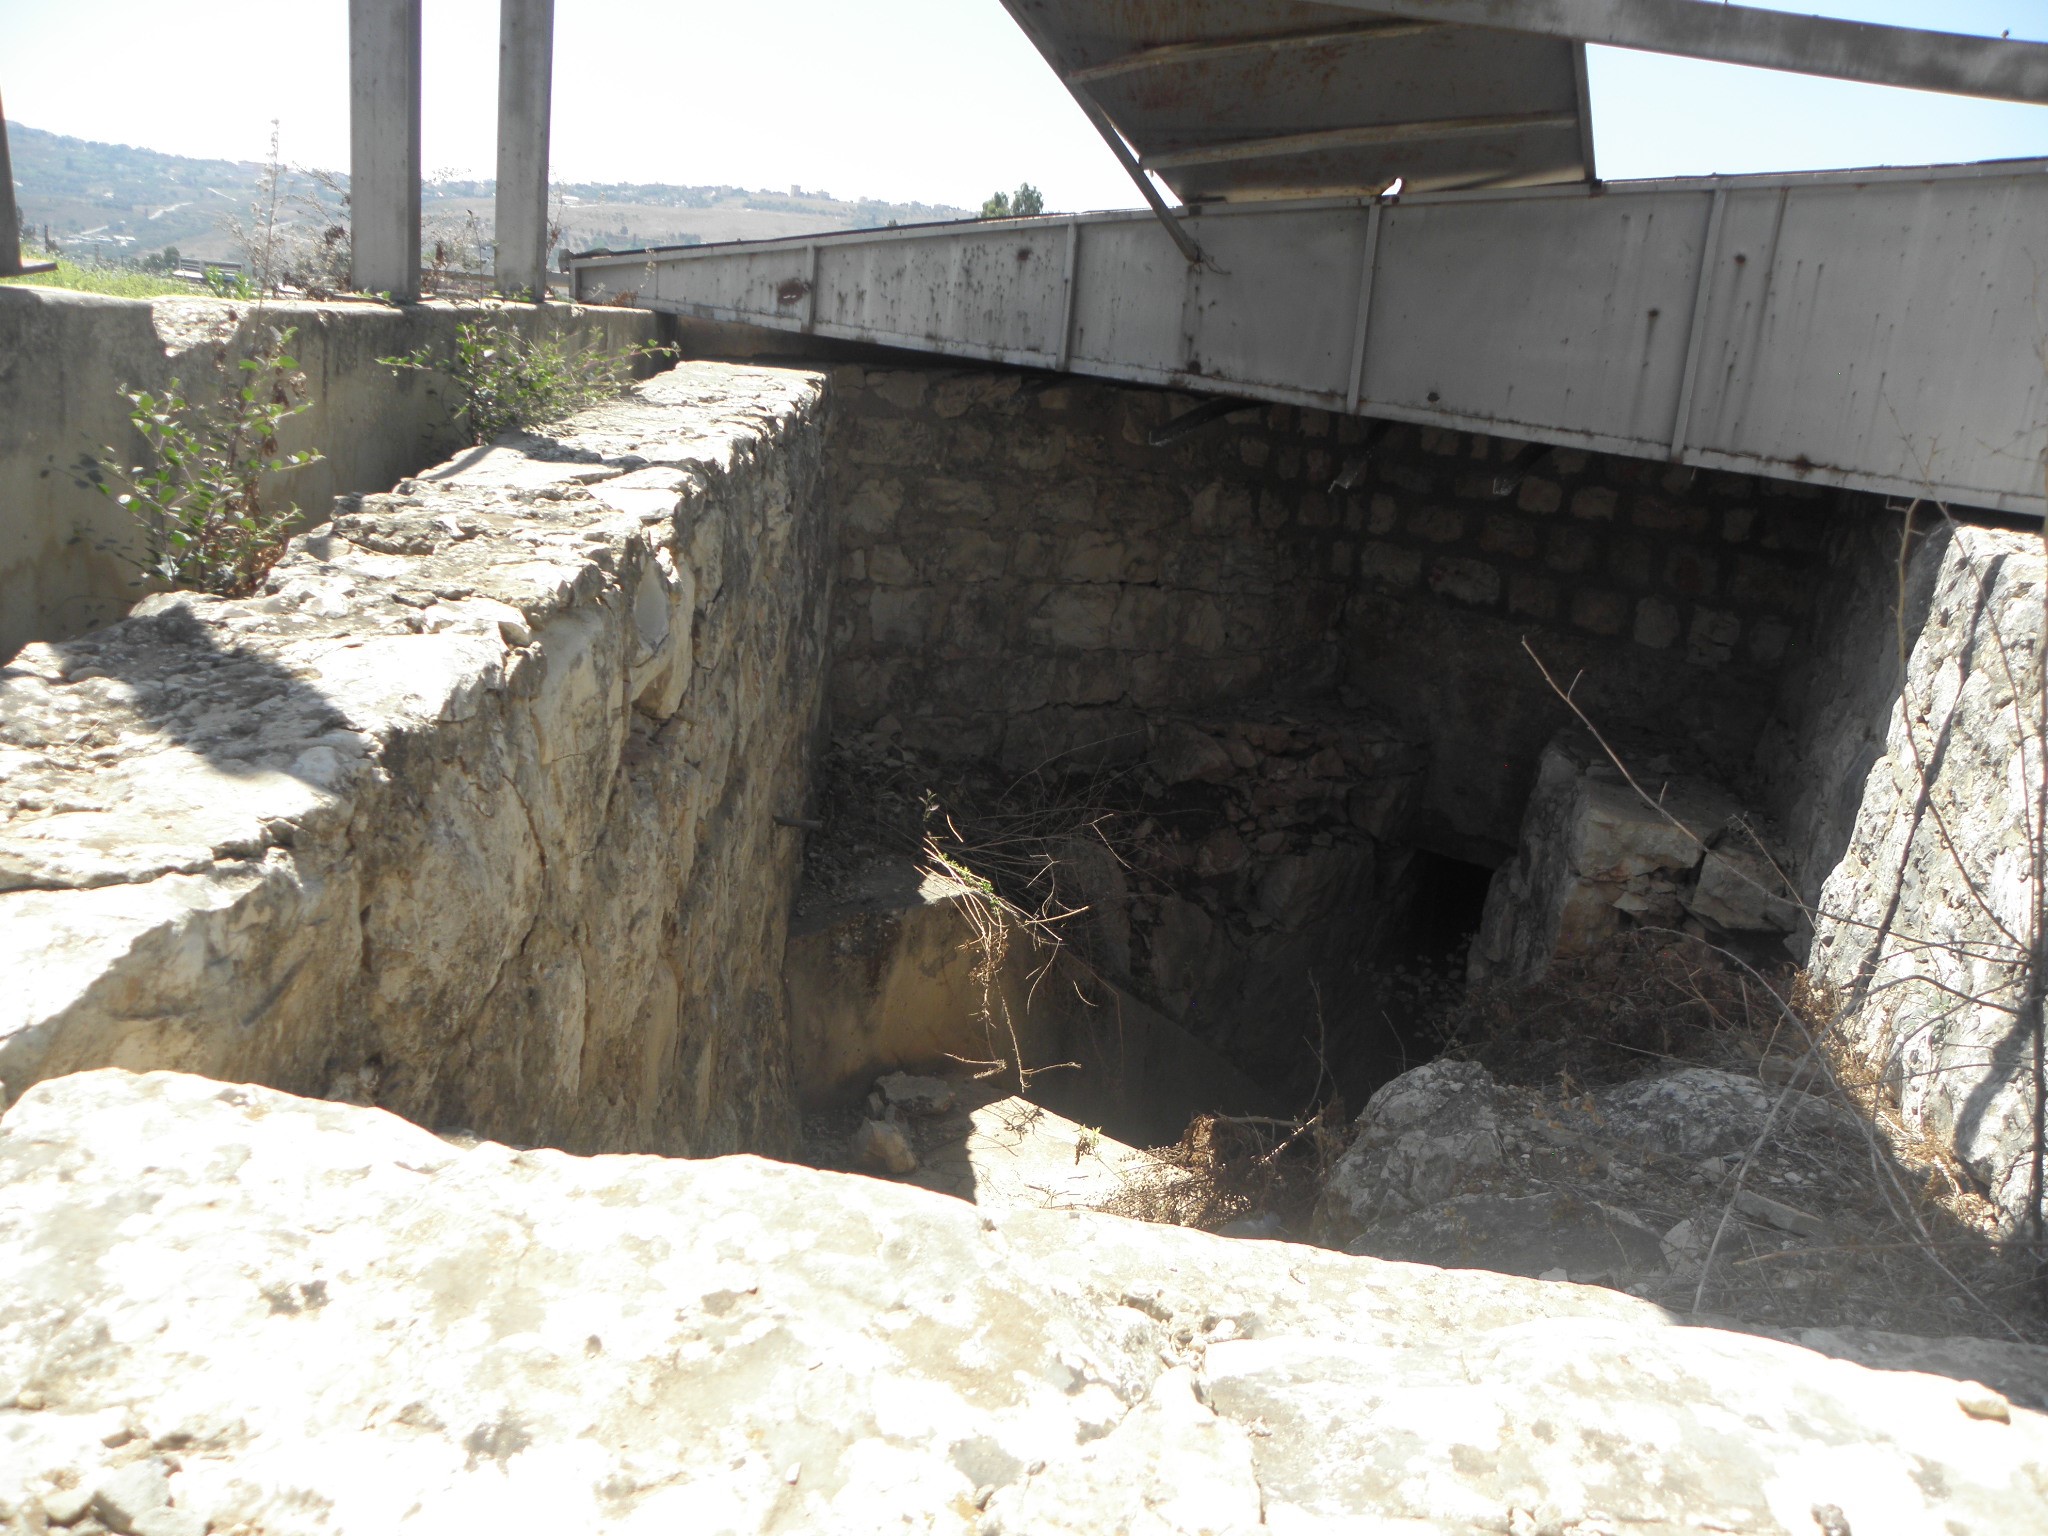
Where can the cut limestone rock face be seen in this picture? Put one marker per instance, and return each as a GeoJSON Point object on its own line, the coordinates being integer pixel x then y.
{"type": "Point", "coordinates": [472, 810]}
{"type": "Point", "coordinates": [321, 1319]}
{"type": "Point", "coordinates": [1596, 857]}
{"type": "Point", "coordinates": [1924, 924]}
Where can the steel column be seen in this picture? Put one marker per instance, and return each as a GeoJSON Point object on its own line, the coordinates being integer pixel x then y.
{"type": "Point", "coordinates": [526, 48]}
{"type": "Point", "coordinates": [384, 147]}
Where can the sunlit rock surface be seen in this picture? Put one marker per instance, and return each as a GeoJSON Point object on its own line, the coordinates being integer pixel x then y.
{"type": "Point", "coordinates": [310, 1317]}
{"type": "Point", "coordinates": [471, 812]}
{"type": "Point", "coordinates": [1925, 925]}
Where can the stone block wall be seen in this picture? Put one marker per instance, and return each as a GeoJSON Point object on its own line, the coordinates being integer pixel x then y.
{"type": "Point", "coordinates": [1022, 574]}
{"type": "Point", "coordinates": [1665, 598]}
{"type": "Point", "coordinates": [472, 812]}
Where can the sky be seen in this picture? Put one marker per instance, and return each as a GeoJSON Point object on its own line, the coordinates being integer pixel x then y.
{"type": "Point", "coordinates": [938, 101]}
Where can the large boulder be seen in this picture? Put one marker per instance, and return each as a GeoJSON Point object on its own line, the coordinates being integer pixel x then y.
{"type": "Point", "coordinates": [1427, 1135]}
{"type": "Point", "coordinates": [226, 1309]}
{"type": "Point", "coordinates": [1553, 1234]}
{"type": "Point", "coordinates": [1616, 1185]}
{"type": "Point", "coordinates": [1597, 857]}
{"type": "Point", "coordinates": [1706, 1112]}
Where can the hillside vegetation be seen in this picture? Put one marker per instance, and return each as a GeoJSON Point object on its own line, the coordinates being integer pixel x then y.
{"type": "Point", "coordinates": [122, 201]}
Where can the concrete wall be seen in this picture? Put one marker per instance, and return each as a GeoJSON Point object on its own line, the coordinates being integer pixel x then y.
{"type": "Point", "coordinates": [1022, 575]}
{"type": "Point", "coordinates": [65, 357]}
{"type": "Point", "coordinates": [472, 812]}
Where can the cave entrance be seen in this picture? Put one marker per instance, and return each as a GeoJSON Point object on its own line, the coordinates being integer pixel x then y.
{"type": "Point", "coordinates": [1413, 975]}
{"type": "Point", "coordinates": [1233, 931]}
{"type": "Point", "coordinates": [1225, 937]}
{"type": "Point", "coordinates": [1345, 990]}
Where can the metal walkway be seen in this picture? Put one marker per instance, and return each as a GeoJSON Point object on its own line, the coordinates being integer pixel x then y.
{"type": "Point", "coordinates": [1881, 330]}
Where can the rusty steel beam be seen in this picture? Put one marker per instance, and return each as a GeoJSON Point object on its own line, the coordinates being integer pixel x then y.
{"type": "Point", "coordinates": [1863, 51]}
{"type": "Point", "coordinates": [1279, 146]}
{"type": "Point", "coordinates": [1100, 121]}
{"type": "Point", "coordinates": [1172, 55]}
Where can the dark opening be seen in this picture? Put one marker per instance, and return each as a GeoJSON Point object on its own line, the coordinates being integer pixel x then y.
{"type": "Point", "coordinates": [1411, 976]}
{"type": "Point", "coordinates": [1448, 897]}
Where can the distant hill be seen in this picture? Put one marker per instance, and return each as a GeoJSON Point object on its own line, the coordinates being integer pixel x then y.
{"type": "Point", "coordinates": [123, 200]}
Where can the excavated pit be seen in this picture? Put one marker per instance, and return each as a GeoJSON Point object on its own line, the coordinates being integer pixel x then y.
{"type": "Point", "coordinates": [1173, 795]}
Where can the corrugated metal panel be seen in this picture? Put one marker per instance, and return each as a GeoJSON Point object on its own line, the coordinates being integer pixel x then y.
{"type": "Point", "coordinates": [1867, 329]}
{"type": "Point", "coordinates": [1229, 100]}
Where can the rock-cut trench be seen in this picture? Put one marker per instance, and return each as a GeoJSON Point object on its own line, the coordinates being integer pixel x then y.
{"type": "Point", "coordinates": [344, 920]}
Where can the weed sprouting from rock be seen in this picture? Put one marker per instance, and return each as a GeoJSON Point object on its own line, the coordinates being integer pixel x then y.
{"type": "Point", "coordinates": [201, 505]}
{"type": "Point", "coordinates": [511, 381]}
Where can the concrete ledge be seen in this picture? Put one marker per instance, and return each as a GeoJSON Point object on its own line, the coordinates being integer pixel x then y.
{"type": "Point", "coordinates": [471, 812]}
{"type": "Point", "coordinates": [65, 358]}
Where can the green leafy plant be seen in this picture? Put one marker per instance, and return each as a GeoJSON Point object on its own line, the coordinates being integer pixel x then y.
{"type": "Point", "coordinates": [511, 381]}
{"type": "Point", "coordinates": [201, 504]}
{"type": "Point", "coordinates": [229, 285]}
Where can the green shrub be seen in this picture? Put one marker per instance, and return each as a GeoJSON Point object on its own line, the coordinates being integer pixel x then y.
{"type": "Point", "coordinates": [229, 285]}
{"type": "Point", "coordinates": [510, 382]}
{"type": "Point", "coordinates": [200, 505]}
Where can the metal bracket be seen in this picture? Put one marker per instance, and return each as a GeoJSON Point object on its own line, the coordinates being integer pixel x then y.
{"type": "Point", "coordinates": [1136, 172]}
{"type": "Point", "coordinates": [1069, 283]}
{"type": "Point", "coordinates": [1520, 465]}
{"type": "Point", "coordinates": [1355, 467]}
{"type": "Point", "coordinates": [1365, 277]}
{"type": "Point", "coordinates": [1189, 422]}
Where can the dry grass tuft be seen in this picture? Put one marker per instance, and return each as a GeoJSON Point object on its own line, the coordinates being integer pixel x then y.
{"type": "Point", "coordinates": [1255, 1170]}
{"type": "Point", "coordinates": [1911, 1243]}
{"type": "Point", "coordinates": [1643, 999]}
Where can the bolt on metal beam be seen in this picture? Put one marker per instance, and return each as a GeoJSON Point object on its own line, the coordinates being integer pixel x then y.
{"type": "Point", "coordinates": [1190, 422]}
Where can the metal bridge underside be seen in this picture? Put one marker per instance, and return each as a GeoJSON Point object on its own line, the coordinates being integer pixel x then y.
{"type": "Point", "coordinates": [1879, 330]}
